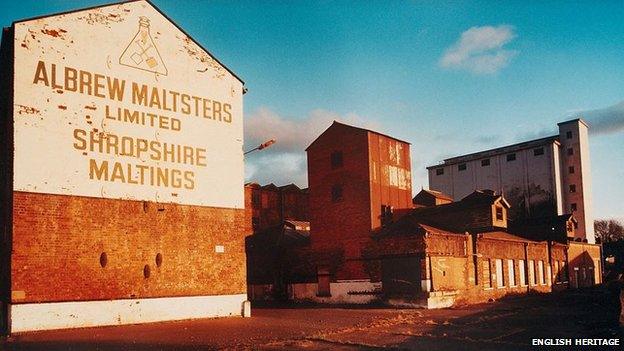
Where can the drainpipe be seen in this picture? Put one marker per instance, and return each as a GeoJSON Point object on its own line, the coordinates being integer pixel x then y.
{"type": "Point", "coordinates": [526, 267]}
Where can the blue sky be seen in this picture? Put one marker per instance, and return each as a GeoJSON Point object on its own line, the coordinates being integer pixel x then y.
{"type": "Point", "coordinates": [451, 78]}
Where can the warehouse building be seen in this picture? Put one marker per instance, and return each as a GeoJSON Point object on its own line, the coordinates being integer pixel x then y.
{"type": "Point", "coordinates": [122, 182]}
{"type": "Point", "coordinates": [369, 242]}
{"type": "Point", "coordinates": [540, 178]}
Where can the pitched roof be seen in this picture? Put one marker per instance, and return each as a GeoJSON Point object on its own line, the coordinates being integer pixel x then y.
{"type": "Point", "coordinates": [497, 151]}
{"type": "Point", "coordinates": [128, 1]}
{"type": "Point", "coordinates": [436, 194]}
{"type": "Point", "coordinates": [336, 123]}
{"type": "Point", "coordinates": [500, 235]}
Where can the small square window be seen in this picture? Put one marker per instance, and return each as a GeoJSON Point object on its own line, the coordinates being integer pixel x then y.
{"type": "Point", "coordinates": [568, 135]}
{"type": "Point", "coordinates": [439, 171]}
{"type": "Point", "coordinates": [461, 167]}
{"type": "Point", "coordinates": [570, 151]}
{"type": "Point", "coordinates": [511, 157]}
{"type": "Point", "coordinates": [573, 207]}
{"type": "Point", "coordinates": [572, 188]}
{"type": "Point", "coordinates": [337, 193]}
{"type": "Point", "coordinates": [571, 169]}
{"type": "Point", "coordinates": [485, 163]}
{"type": "Point", "coordinates": [539, 151]}
{"type": "Point", "coordinates": [336, 159]}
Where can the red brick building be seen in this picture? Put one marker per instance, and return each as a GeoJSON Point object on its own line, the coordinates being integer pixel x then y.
{"type": "Point", "coordinates": [359, 180]}
{"type": "Point", "coordinates": [269, 205]}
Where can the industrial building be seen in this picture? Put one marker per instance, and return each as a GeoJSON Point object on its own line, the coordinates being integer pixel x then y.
{"type": "Point", "coordinates": [540, 178]}
{"type": "Point", "coordinates": [369, 241]}
{"type": "Point", "coordinates": [122, 182]}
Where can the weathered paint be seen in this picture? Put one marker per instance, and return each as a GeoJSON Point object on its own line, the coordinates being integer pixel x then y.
{"type": "Point", "coordinates": [71, 96]}
{"type": "Point", "coordinates": [63, 315]}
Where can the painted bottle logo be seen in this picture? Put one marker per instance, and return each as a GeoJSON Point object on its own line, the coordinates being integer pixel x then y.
{"type": "Point", "coordinates": [142, 53]}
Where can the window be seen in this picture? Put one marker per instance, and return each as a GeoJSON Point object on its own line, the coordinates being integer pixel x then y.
{"type": "Point", "coordinates": [556, 273]}
{"type": "Point", "coordinates": [572, 188]}
{"type": "Point", "coordinates": [573, 207]}
{"type": "Point", "coordinates": [487, 275]}
{"type": "Point", "coordinates": [511, 157]}
{"type": "Point", "coordinates": [571, 169]}
{"type": "Point", "coordinates": [522, 273]}
{"type": "Point", "coordinates": [540, 267]}
{"type": "Point", "coordinates": [564, 271]}
{"type": "Point", "coordinates": [512, 272]}
{"type": "Point", "coordinates": [336, 159]}
{"type": "Point", "coordinates": [461, 167]}
{"type": "Point", "coordinates": [500, 276]}
{"type": "Point", "coordinates": [386, 214]}
{"type": "Point", "coordinates": [499, 213]}
{"type": "Point", "coordinates": [439, 171]}
{"type": "Point", "coordinates": [570, 151]}
{"type": "Point", "coordinates": [531, 272]}
{"type": "Point", "coordinates": [539, 151]}
{"type": "Point", "coordinates": [485, 163]}
{"type": "Point", "coordinates": [336, 193]}
{"type": "Point", "coordinates": [568, 135]}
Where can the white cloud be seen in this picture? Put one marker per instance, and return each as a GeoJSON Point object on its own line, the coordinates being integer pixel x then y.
{"type": "Point", "coordinates": [480, 50]}
{"type": "Point", "coordinates": [285, 161]}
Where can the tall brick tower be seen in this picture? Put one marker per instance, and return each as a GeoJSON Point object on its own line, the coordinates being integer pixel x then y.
{"type": "Point", "coordinates": [576, 176]}
{"type": "Point", "coordinates": [358, 180]}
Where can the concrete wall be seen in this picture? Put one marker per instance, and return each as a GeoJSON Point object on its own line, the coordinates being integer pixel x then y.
{"type": "Point", "coordinates": [347, 292]}
{"type": "Point", "coordinates": [578, 142]}
{"type": "Point", "coordinates": [529, 182]}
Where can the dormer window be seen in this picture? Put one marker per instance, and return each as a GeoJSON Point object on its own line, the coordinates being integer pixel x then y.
{"type": "Point", "coordinates": [499, 213]}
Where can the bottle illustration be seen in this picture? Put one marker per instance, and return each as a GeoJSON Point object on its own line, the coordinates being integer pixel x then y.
{"type": "Point", "coordinates": [142, 53]}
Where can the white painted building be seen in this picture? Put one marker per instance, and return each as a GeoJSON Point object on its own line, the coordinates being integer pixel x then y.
{"type": "Point", "coordinates": [539, 177]}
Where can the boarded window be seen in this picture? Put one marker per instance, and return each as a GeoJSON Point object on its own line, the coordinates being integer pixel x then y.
{"type": "Point", "coordinates": [336, 159]}
{"type": "Point", "coordinates": [487, 276]}
{"type": "Point", "coordinates": [500, 275]}
{"type": "Point", "coordinates": [485, 163]}
{"type": "Point", "coordinates": [540, 267]}
{"type": "Point", "coordinates": [568, 135]}
{"type": "Point", "coordinates": [512, 272]}
{"type": "Point", "coordinates": [323, 283]}
{"type": "Point", "coordinates": [522, 272]}
{"type": "Point", "coordinates": [439, 171]}
{"type": "Point", "coordinates": [461, 167]}
{"type": "Point", "coordinates": [531, 272]}
{"type": "Point", "coordinates": [511, 157]}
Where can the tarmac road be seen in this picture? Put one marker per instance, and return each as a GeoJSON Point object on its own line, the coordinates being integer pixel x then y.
{"type": "Point", "coordinates": [503, 325]}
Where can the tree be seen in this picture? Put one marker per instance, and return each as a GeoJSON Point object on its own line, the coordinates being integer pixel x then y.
{"type": "Point", "coordinates": [609, 230]}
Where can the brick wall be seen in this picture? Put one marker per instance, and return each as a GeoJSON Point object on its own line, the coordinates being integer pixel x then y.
{"type": "Point", "coordinates": [58, 242]}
